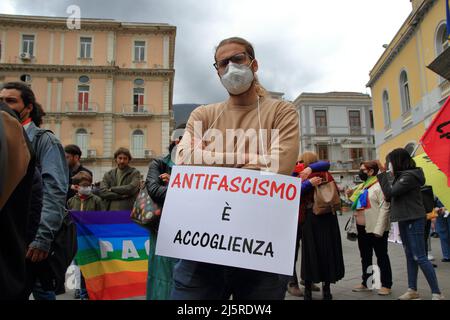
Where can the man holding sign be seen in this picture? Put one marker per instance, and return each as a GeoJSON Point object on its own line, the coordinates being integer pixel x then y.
{"type": "Point", "coordinates": [234, 228]}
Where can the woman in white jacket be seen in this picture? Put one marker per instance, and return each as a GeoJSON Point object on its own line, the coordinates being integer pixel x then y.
{"type": "Point", "coordinates": [372, 220]}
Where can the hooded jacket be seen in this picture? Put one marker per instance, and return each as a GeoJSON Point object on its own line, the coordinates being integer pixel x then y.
{"type": "Point", "coordinates": [403, 192]}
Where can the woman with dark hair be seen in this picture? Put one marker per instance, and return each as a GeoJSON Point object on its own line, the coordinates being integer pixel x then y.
{"type": "Point", "coordinates": [372, 221]}
{"type": "Point", "coordinates": [401, 186]}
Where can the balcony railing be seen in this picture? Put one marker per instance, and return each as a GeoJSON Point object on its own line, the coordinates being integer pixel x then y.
{"type": "Point", "coordinates": [345, 166]}
{"type": "Point", "coordinates": [334, 130]}
{"type": "Point", "coordinates": [143, 110]}
{"type": "Point", "coordinates": [75, 108]}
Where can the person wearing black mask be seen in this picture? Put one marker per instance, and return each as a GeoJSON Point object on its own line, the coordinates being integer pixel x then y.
{"type": "Point", "coordinates": [401, 186]}
{"type": "Point", "coordinates": [372, 221]}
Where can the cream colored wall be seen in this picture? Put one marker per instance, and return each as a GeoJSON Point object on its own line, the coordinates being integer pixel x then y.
{"type": "Point", "coordinates": [125, 127]}
{"type": "Point", "coordinates": [125, 49]}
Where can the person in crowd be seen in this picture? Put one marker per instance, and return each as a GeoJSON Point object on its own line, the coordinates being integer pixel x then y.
{"type": "Point", "coordinates": [73, 156]}
{"type": "Point", "coordinates": [50, 159]}
{"type": "Point", "coordinates": [160, 269]}
{"type": "Point", "coordinates": [83, 200]}
{"type": "Point", "coordinates": [401, 187]}
{"type": "Point", "coordinates": [302, 172]}
{"type": "Point", "coordinates": [120, 186]}
{"type": "Point", "coordinates": [248, 107]}
{"type": "Point", "coordinates": [322, 257]}
{"type": "Point", "coordinates": [443, 229]}
{"type": "Point", "coordinates": [17, 168]}
{"type": "Point", "coordinates": [372, 221]}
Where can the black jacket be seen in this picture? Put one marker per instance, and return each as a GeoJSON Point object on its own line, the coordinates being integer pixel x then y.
{"type": "Point", "coordinates": [403, 191]}
{"type": "Point", "coordinates": [155, 187]}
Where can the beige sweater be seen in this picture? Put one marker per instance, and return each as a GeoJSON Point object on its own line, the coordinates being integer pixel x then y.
{"type": "Point", "coordinates": [224, 147]}
{"type": "Point", "coordinates": [376, 219]}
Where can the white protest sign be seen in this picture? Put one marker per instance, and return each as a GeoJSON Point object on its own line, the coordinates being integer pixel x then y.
{"type": "Point", "coordinates": [231, 217]}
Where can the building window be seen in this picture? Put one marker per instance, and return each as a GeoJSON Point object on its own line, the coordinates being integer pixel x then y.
{"type": "Point", "coordinates": [386, 110]}
{"type": "Point", "coordinates": [83, 98]}
{"type": "Point", "coordinates": [137, 144]}
{"type": "Point", "coordinates": [85, 47]}
{"type": "Point", "coordinates": [372, 124]}
{"type": "Point", "coordinates": [28, 45]}
{"type": "Point", "coordinates": [84, 79]}
{"type": "Point", "coordinates": [321, 122]}
{"type": "Point", "coordinates": [81, 140]}
{"type": "Point", "coordinates": [404, 90]}
{"type": "Point", "coordinates": [25, 78]}
{"type": "Point", "coordinates": [442, 42]}
{"type": "Point", "coordinates": [139, 82]}
{"type": "Point", "coordinates": [356, 156]}
{"type": "Point", "coordinates": [322, 151]}
{"type": "Point", "coordinates": [138, 100]}
{"type": "Point", "coordinates": [355, 122]}
{"type": "Point", "coordinates": [139, 51]}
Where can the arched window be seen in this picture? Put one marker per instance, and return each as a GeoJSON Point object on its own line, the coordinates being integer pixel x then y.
{"type": "Point", "coordinates": [25, 78]}
{"type": "Point", "coordinates": [81, 140]}
{"type": "Point", "coordinates": [137, 144]}
{"type": "Point", "coordinates": [404, 91]}
{"type": "Point", "coordinates": [442, 42]}
{"type": "Point", "coordinates": [386, 109]}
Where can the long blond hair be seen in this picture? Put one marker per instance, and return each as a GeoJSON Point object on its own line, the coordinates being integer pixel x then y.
{"type": "Point", "coordinates": [309, 157]}
{"type": "Point", "coordinates": [260, 90]}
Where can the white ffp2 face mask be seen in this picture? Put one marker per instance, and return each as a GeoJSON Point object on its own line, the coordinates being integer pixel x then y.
{"type": "Point", "coordinates": [237, 78]}
{"type": "Point", "coordinates": [85, 191]}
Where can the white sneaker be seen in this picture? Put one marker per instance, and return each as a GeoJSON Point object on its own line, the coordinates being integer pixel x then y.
{"type": "Point", "coordinates": [430, 257]}
{"type": "Point", "coordinates": [436, 296]}
{"type": "Point", "coordinates": [410, 295]}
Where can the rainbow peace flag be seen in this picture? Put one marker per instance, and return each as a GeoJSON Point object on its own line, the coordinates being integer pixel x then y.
{"type": "Point", "coordinates": [112, 254]}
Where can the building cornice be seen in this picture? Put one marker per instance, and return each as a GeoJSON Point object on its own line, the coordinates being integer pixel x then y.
{"type": "Point", "coordinates": [402, 37]}
{"type": "Point", "coordinates": [333, 98]}
{"type": "Point", "coordinates": [58, 23]}
{"type": "Point", "coordinates": [109, 70]}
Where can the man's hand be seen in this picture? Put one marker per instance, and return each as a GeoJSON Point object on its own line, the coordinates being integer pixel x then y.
{"type": "Point", "coordinates": [36, 255]}
{"type": "Point", "coordinates": [74, 187]}
{"type": "Point", "coordinates": [349, 192]}
{"type": "Point", "coordinates": [315, 181]}
{"type": "Point", "coordinates": [305, 173]}
{"type": "Point", "coordinates": [165, 177]}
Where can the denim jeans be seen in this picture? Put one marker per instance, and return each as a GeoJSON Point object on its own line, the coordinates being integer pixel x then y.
{"type": "Point", "coordinates": [204, 281]}
{"type": "Point", "coordinates": [443, 229]}
{"type": "Point", "coordinates": [40, 294]}
{"type": "Point", "coordinates": [412, 234]}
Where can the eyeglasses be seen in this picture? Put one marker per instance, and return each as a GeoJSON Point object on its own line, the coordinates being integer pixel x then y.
{"type": "Point", "coordinates": [238, 58]}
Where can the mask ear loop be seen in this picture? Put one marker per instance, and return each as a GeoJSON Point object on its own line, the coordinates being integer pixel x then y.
{"type": "Point", "coordinates": [261, 137]}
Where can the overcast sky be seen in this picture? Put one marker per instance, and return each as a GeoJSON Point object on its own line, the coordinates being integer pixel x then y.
{"type": "Point", "coordinates": [301, 45]}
